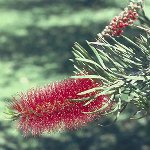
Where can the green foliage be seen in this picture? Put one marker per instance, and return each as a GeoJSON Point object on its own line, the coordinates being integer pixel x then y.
{"type": "Point", "coordinates": [123, 70]}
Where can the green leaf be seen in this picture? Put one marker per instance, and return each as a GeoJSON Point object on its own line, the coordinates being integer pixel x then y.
{"type": "Point", "coordinates": [91, 77]}
{"type": "Point", "coordinates": [98, 57]}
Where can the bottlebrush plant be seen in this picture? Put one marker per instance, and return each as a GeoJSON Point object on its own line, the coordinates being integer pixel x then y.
{"type": "Point", "coordinates": [127, 17]}
{"type": "Point", "coordinates": [115, 76]}
{"type": "Point", "coordinates": [57, 106]}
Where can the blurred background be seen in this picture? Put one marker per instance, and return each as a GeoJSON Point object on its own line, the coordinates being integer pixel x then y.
{"type": "Point", "coordinates": [36, 39]}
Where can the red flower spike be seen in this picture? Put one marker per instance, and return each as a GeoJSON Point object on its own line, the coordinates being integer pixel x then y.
{"type": "Point", "coordinates": [50, 108]}
{"type": "Point", "coordinates": [124, 19]}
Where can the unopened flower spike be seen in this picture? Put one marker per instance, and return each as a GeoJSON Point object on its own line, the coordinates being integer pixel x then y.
{"type": "Point", "coordinates": [126, 18]}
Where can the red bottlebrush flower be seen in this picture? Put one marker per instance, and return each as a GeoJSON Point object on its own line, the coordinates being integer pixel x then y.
{"type": "Point", "coordinates": [50, 108]}
{"type": "Point", "coordinates": [124, 19]}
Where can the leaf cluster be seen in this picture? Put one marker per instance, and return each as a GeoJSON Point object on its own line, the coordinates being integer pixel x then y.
{"type": "Point", "coordinates": [122, 67]}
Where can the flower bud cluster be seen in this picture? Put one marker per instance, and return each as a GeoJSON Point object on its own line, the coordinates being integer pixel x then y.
{"type": "Point", "coordinates": [124, 19]}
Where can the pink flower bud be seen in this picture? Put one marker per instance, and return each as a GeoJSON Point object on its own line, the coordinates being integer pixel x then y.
{"type": "Point", "coordinates": [124, 19]}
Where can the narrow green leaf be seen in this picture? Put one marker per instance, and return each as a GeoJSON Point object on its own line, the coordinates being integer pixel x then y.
{"type": "Point", "coordinates": [98, 110]}
{"type": "Point", "coordinates": [91, 77]}
{"type": "Point", "coordinates": [89, 61]}
{"type": "Point", "coordinates": [98, 57]}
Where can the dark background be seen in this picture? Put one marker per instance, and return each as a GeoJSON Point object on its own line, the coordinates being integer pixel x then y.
{"type": "Point", "coordinates": [36, 39]}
